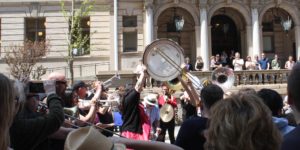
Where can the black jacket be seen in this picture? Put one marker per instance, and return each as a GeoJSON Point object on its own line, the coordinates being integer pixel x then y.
{"type": "Point", "coordinates": [30, 133]}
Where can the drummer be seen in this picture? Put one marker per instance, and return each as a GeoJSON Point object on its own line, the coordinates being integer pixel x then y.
{"type": "Point", "coordinates": [167, 98]}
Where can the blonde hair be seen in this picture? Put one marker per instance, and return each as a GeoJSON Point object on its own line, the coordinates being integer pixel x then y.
{"type": "Point", "coordinates": [242, 122]}
{"type": "Point", "coordinates": [7, 108]}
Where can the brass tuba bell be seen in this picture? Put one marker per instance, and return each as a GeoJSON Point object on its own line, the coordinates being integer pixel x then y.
{"type": "Point", "coordinates": [73, 111]}
{"type": "Point", "coordinates": [223, 77]}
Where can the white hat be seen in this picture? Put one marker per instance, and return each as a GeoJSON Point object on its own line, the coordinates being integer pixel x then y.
{"type": "Point", "coordinates": [151, 99]}
{"type": "Point", "coordinates": [90, 138]}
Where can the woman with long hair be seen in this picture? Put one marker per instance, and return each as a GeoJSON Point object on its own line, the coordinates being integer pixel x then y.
{"type": "Point", "coordinates": [242, 122]}
{"type": "Point", "coordinates": [7, 108]}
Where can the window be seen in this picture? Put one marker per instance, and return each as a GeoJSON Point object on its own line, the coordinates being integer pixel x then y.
{"type": "Point", "coordinates": [130, 41]}
{"type": "Point", "coordinates": [268, 44]}
{"type": "Point", "coordinates": [81, 36]}
{"type": "Point", "coordinates": [129, 21]}
{"type": "Point", "coordinates": [130, 33]}
{"type": "Point", "coordinates": [35, 29]}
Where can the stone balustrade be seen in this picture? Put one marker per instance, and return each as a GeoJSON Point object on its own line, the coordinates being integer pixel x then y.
{"type": "Point", "coordinates": [245, 77]}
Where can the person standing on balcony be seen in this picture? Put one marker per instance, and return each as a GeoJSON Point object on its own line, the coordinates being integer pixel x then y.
{"type": "Point", "coordinates": [275, 63]}
{"type": "Point", "coordinates": [212, 63]}
{"type": "Point", "coordinates": [275, 66]}
{"type": "Point", "coordinates": [290, 63]}
{"type": "Point", "coordinates": [264, 62]}
{"type": "Point", "coordinates": [199, 64]}
{"type": "Point", "coordinates": [218, 62]}
{"type": "Point", "coordinates": [238, 62]}
{"type": "Point", "coordinates": [264, 65]}
{"type": "Point", "coordinates": [188, 64]}
{"type": "Point", "coordinates": [249, 64]}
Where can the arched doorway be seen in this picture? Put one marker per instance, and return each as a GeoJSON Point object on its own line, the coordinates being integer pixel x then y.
{"type": "Point", "coordinates": [228, 32]}
{"type": "Point", "coordinates": [224, 35]}
{"type": "Point", "coordinates": [275, 38]}
{"type": "Point", "coordinates": [186, 37]}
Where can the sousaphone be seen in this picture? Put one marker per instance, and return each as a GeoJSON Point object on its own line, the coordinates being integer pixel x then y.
{"type": "Point", "coordinates": [223, 77]}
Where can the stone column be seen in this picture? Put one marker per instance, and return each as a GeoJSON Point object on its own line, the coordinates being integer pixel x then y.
{"type": "Point", "coordinates": [209, 41]}
{"type": "Point", "coordinates": [249, 41]}
{"type": "Point", "coordinates": [149, 24]}
{"type": "Point", "coordinates": [204, 38]}
{"type": "Point", "coordinates": [297, 37]}
{"type": "Point", "coordinates": [116, 46]}
{"type": "Point", "coordinates": [198, 44]}
{"type": "Point", "coordinates": [256, 32]}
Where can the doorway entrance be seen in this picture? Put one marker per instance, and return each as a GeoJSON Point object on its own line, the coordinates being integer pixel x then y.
{"type": "Point", "coordinates": [225, 36]}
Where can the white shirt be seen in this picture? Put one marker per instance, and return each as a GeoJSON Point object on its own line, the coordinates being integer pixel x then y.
{"type": "Point", "coordinates": [238, 64]}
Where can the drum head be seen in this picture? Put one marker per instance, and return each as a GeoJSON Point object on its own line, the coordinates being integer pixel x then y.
{"type": "Point", "coordinates": [163, 68]}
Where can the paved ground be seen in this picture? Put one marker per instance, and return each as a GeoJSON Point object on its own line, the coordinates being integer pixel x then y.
{"type": "Point", "coordinates": [176, 132]}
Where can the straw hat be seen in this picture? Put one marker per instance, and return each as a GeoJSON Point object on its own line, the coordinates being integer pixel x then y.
{"type": "Point", "coordinates": [90, 138]}
{"type": "Point", "coordinates": [151, 99]}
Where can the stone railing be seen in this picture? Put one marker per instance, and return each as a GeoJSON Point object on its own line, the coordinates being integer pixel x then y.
{"type": "Point", "coordinates": [247, 77]}
{"type": "Point", "coordinates": [244, 77]}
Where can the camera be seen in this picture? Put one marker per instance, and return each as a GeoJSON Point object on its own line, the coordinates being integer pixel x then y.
{"type": "Point", "coordinates": [36, 87]}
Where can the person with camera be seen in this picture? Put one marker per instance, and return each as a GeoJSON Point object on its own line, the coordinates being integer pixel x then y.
{"type": "Point", "coordinates": [33, 133]}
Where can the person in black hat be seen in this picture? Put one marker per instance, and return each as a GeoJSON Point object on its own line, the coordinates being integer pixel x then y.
{"type": "Point", "coordinates": [80, 88]}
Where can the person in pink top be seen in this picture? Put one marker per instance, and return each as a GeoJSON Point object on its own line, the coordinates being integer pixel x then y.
{"type": "Point", "coordinates": [167, 98]}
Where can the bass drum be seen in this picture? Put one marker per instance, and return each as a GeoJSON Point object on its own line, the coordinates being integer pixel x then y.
{"type": "Point", "coordinates": [163, 59]}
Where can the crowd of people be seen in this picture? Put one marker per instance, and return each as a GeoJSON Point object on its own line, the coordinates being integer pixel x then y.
{"type": "Point", "coordinates": [257, 63]}
{"type": "Point", "coordinates": [248, 120]}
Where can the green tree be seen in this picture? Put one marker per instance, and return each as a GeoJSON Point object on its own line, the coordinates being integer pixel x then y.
{"type": "Point", "coordinates": [76, 40]}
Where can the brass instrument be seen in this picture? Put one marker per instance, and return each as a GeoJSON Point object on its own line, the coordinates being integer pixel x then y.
{"type": "Point", "coordinates": [113, 99]}
{"type": "Point", "coordinates": [163, 59]}
{"type": "Point", "coordinates": [108, 83]}
{"type": "Point", "coordinates": [223, 77]}
{"type": "Point", "coordinates": [73, 111]}
{"type": "Point", "coordinates": [166, 113]}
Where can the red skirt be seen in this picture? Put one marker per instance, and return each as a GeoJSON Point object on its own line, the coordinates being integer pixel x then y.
{"type": "Point", "coordinates": [145, 123]}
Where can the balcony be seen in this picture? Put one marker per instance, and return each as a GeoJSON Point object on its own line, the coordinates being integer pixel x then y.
{"type": "Point", "coordinates": [257, 79]}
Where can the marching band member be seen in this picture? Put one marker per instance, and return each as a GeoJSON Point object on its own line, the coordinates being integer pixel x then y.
{"type": "Point", "coordinates": [92, 108]}
{"type": "Point", "coordinates": [104, 117]}
{"type": "Point", "coordinates": [167, 98]}
{"type": "Point", "coordinates": [152, 110]}
{"type": "Point", "coordinates": [136, 124]}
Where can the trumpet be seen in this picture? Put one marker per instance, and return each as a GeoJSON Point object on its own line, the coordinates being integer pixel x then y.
{"type": "Point", "coordinates": [109, 82]}
{"type": "Point", "coordinates": [73, 111]}
{"type": "Point", "coordinates": [112, 100]}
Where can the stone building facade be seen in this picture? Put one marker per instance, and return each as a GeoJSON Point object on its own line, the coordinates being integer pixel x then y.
{"type": "Point", "coordinates": [121, 29]}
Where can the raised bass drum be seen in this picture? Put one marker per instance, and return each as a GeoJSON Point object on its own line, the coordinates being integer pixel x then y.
{"type": "Point", "coordinates": [160, 57]}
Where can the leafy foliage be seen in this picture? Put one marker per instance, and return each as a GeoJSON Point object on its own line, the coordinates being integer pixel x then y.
{"type": "Point", "coordinates": [76, 39]}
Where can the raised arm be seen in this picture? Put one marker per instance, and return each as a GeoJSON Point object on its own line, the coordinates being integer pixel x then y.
{"type": "Point", "coordinates": [141, 81]}
{"type": "Point", "coordinates": [191, 92]}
